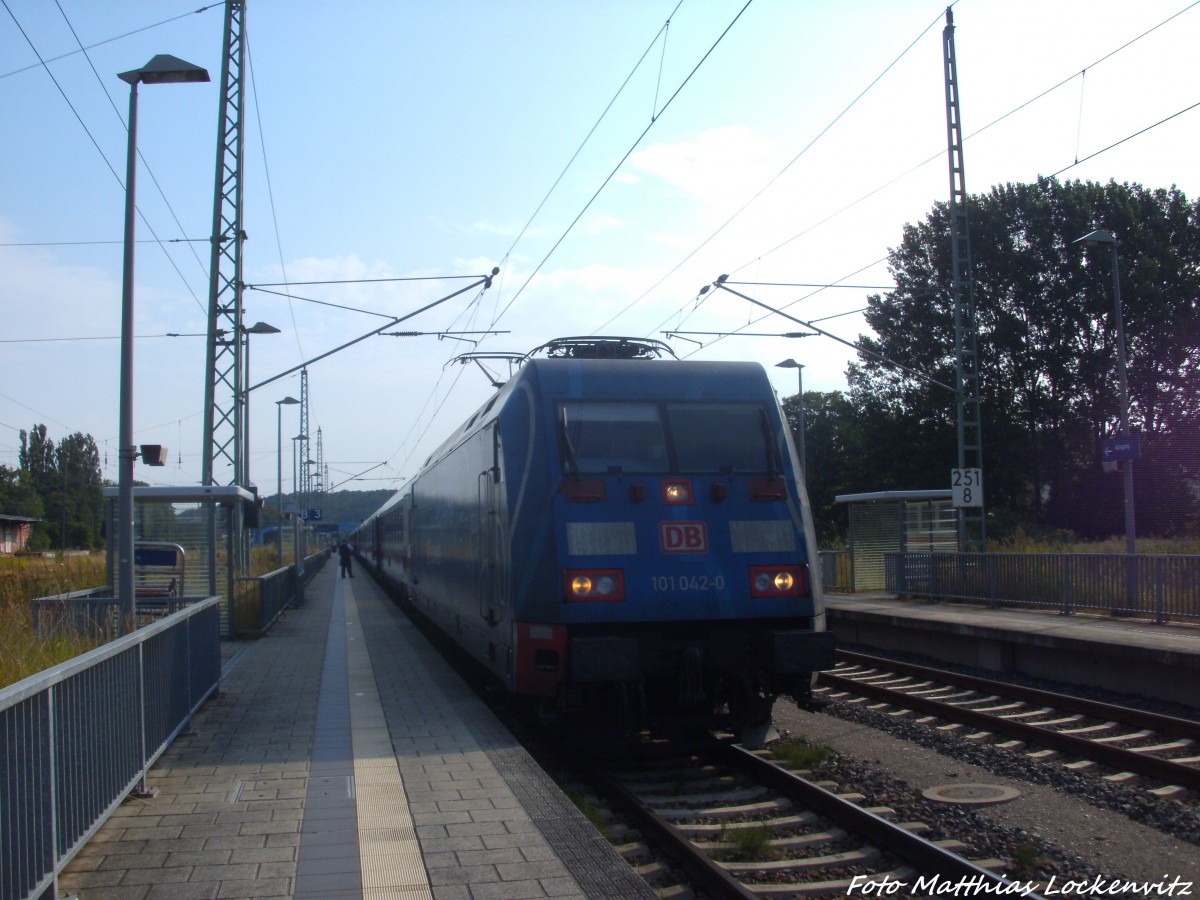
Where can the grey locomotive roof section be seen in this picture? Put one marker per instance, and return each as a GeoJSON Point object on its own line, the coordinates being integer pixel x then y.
{"type": "Point", "coordinates": [199, 493]}
{"type": "Point", "coordinates": [879, 496]}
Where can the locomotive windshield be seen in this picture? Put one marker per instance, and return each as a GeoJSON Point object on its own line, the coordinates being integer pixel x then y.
{"type": "Point", "coordinates": [686, 438]}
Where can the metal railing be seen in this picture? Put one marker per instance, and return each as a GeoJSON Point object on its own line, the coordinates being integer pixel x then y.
{"type": "Point", "coordinates": [77, 738]}
{"type": "Point", "coordinates": [97, 614]}
{"type": "Point", "coordinates": [258, 602]}
{"type": "Point", "coordinates": [1160, 587]}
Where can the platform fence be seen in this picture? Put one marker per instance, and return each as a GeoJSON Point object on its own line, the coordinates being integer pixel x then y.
{"type": "Point", "coordinates": [836, 571]}
{"type": "Point", "coordinates": [76, 739]}
{"type": "Point", "coordinates": [1159, 587]}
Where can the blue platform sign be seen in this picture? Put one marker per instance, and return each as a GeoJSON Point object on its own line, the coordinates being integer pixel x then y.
{"type": "Point", "coordinates": [1127, 446]}
{"type": "Point", "coordinates": [314, 514]}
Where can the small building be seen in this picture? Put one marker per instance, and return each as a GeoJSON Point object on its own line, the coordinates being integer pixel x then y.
{"type": "Point", "coordinates": [14, 533]}
{"type": "Point", "coordinates": [892, 521]}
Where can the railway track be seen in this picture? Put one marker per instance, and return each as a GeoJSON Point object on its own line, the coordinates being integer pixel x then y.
{"type": "Point", "coordinates": [739, 825]}
{"type": "Point", "coordinates": [1132, 743]}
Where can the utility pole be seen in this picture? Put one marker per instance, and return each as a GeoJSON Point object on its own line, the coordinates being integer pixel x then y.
{"type": "Point", "coordinates": [972, 527]}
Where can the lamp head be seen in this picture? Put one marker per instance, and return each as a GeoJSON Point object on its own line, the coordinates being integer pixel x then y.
{"type": "Point", "coordinates": [1097, 238]}
{"type": "Point", "coordinates": [789, 364]}
{"type": "Point", "coordinates": [166, 69]}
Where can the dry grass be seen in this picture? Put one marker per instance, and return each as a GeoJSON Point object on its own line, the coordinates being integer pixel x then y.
{"type": "Point", "coordinates": [23, 653]}
{"type": "Point", "coordinates": [1023, 542]}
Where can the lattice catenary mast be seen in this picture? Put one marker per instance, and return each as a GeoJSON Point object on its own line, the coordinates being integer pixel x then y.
{"type": "Point", "coordinates": [972, 529]}
{"type": "Point", "coordinates": [224, 388]}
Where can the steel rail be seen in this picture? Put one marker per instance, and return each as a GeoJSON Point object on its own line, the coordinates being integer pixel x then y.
{"type": "Point", "coordinates": [1115, 757]}
{"type": "Point", "coordinates": [701, 868]}
{"type": "Point", "coordinates": [718, 882]}
{"type": "Point", "coordinates": [1127, 715]}
{"type": "Point", "coordinates": [887, 835]}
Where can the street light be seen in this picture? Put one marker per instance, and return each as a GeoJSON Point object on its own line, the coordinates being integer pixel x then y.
{"type": "Point", "coordinates": [799, 367]}
{"type": "Point", "coordinates": [162, 69]}
{"type": "Point", "coordinates": [297, 532]}
{"type": "Point", "coordinates": [256, 328]}
{"type": "Point", "coordinates": [279, 405]}
{"type": "Point", "coordinates": [1101, 238]}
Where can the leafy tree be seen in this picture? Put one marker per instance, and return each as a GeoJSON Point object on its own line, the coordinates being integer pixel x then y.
{"type": "Point", "coordinates": [77, 460]}
{"type": "Point", "coordinates": [1047, 352]}
{"type": "Point", "coordinates": [17, 496]}
{"type": "Point", "coordinates": [66, 479]}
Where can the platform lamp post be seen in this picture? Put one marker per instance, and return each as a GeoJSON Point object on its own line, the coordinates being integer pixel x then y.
{"type": "Point", "coordinates": [1102, 238]}
{"type": "Point", "coordinates": [296, 499]}
{"type": "Point", "coordinates": [256, 328]}
{"type": "Point", "coordinates": [279, 405]}
{"type": "Point", "coordinates": [799, 367]}
{"type": "Point", "coordinates": [244, 479]}
{"type": "Point", "coordinates": [162, 69]}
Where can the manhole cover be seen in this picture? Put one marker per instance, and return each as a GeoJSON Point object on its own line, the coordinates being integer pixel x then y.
{"type": "Point", "coordinates": [971, 794]}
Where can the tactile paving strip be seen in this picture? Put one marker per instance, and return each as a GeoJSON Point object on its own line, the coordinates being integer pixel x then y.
{"type": "Point", "coordinates": [488, 818]}
{"type": "Point", "coordinates": [390, 855]}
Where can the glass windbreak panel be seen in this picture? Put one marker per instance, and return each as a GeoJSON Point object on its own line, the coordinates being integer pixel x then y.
{"type": "Point", "coordinates": [603, 437]}
{"type": "Point", "coordinates": [718, 437]}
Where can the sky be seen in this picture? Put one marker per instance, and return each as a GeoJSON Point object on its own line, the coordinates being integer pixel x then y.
{"type": "Point", "coordinates": [611, 158]}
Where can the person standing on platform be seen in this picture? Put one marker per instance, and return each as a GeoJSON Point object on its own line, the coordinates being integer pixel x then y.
{"type": "Point", "coordinates": [345, 559]}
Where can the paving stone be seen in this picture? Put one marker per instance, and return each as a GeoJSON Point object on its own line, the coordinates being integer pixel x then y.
{"type": "Point", "coordinates": [248, 803]}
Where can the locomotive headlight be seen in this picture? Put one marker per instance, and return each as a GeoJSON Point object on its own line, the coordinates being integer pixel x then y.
{"type": "Point", "coordinates": [678, 492]}
{"type": "Point", "coordinates": [778, 581]}
{"type": "Point", "coordinates": [596, 585]}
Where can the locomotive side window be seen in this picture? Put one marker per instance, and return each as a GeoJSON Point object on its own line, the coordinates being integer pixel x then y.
{"type": "Point", "coordinates": [600, 437]}
{"type": "Point", "coordinates": [718, 437]}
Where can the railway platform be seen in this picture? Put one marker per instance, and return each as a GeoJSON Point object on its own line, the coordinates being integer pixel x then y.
{"type": "Point", "coordinates": [344, 758]}
{"type": "Point", "coordinates": [1122, 654]}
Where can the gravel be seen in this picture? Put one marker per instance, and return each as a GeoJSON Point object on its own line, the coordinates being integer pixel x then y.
{"type": "Point", "coordinates": [1064, 824]}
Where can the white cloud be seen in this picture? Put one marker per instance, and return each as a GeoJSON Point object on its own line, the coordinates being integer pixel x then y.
{"type": "Point", "coordinates": [716, 167]}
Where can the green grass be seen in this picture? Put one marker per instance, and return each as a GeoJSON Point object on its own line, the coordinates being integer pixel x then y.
{"type": "Point", "coordinates": [799, 753]}
{"type": "Point", "coordinates": [1026, 857]}
{"type": "Point", "coordinates": [750, 844]}
{"type": "Point", "coordinates": [589, 810]}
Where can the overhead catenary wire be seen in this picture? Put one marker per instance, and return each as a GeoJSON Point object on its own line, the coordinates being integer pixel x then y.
{"type": "Point", "coordinates": [91, 137]}
{"type": "Point", "coordinates": [145, 163]}
{"type": "Point", "coordinates": [934, 157]}
{"type": "Point", "coordinates": [498, 315]}
{"type": "Point", "coordinates": [592, 131]}
{"type": "Point", "coordinates": [570, 227]}
{"type": "Point", "coordinates": [110, 40]}
{"type": "Point", "coordinates": [262, 143]}
{"type": "Point", "coordinates": [774, 178]}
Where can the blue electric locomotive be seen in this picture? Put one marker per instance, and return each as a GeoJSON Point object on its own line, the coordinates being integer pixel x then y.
{"type": "Point", "coordinates": [623, 538]}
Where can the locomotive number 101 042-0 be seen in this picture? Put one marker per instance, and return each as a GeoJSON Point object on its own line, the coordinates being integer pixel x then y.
{"type": "Point", "coordinates": [688, 582]}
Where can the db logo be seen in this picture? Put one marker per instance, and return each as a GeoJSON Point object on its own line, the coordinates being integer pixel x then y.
{"type": "Point", "coordinates": [683, 537]}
